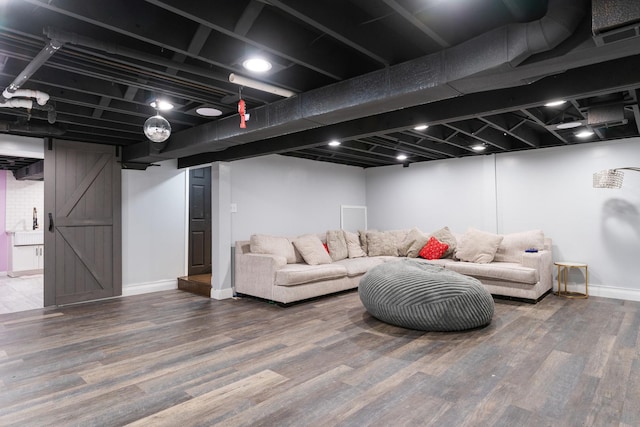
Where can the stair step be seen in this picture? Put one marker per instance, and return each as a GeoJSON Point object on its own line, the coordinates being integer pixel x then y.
{"type": "Point", "coordinates": [200, 285]}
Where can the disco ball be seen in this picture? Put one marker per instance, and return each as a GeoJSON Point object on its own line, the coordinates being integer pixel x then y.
{"type": "Point", "coordinates": [157, 128]}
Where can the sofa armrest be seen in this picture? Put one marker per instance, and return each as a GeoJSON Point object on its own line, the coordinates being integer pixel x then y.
{"type": "Point", "coordinates": [255, 273]}
{"type": "Point", "coordinates": [542, 262]}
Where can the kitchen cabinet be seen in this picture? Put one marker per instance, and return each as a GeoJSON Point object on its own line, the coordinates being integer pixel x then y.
{"type": "Point", "coordinates": [26, 253]}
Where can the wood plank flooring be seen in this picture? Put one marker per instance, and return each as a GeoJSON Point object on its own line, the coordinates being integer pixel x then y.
{"type": "Point", "coordinates": [177, 359]}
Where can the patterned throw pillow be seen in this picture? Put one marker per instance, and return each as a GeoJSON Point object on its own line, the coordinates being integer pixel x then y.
{"type": "Point", "coordinates": [434, 249]}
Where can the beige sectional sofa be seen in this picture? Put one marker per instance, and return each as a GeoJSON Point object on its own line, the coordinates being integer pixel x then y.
{"type": "Point", "coordinates": [274, 268]}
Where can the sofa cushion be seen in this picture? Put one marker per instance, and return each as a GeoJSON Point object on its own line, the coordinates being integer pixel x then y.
{"type": "Point", "coordinates": [337, 245]}
{"type": "Point", "coordinates": [358, 266]}
{"type": "Point", "coordinates": [273, 245]}
{"type": "Point", "coordinates": [434, 249]}
{"type": "Point", "coordinates": [413, 242]}
{"type": "Point", "coordinates": [381, 243]}
{"type": "Point", "coordinates": [312, 249]}
{"type": "Point", "coordinates": [445, 236]}
{"type": "Point", "coordinates": [363, 240]}
{"type": "Point", "coordinates": [354, 250]}
{"type": "Point", "coordinates": [298, 274]}
{"type": "Point", "coordinates": [399, 236]}
{"type": "Point", "coordinates": [507, 271]}
{"type": "Point", "coordinates": [513, 245]}
{"type": "Point", "coordinates": [477, 246]}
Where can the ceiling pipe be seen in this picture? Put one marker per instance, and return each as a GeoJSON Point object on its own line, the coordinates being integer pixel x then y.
{"type": "Point", "coordinates": [40, 97]}
{"type": "Point", "coordinates": [29, 128]}
{"type": "Point", "coordinates": [115, 49]}
{"type": "Point", "coordinates": [255, 84]}
{"type": "Point", "coordinates": [7, 99]}
{"type": "Point", "coordinates": [17, 103]}
{"type": "Point", "coordinates": [30, 105]}
{"type": "Point", "coordinates": [33, 66]}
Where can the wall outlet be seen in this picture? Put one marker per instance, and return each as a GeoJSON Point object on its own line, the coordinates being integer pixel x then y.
{"type": "Point", "coordinates": [234, 208]}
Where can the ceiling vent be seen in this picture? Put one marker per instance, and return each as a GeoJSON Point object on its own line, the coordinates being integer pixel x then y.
{"type": "Point", "coordinates": [615, 20]}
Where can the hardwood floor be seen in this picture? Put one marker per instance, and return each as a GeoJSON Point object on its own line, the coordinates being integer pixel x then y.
{"type": "Point", "coordinates": [177, 359]}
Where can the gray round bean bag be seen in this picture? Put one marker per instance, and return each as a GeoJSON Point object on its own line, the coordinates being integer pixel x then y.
{"type": "Point", "coordinates": [418, 295]}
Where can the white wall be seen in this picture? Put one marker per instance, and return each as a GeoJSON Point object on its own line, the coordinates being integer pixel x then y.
{"type": "Point", "coordinates": [290, 196]}
{"type": "Point", "coordinates": [549, 189]}
{"type": "Point", "coordinates": [21, 197]}
{"type": "Point", "coordinates": [153, 228]}
{"type": "Point", "coordinates": [552, 189]}
{"type": "Point", "coordinates": [457, 193]}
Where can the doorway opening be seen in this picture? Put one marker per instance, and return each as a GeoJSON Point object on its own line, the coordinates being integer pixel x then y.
{"type": "Point", "coordinates": [198, 279]}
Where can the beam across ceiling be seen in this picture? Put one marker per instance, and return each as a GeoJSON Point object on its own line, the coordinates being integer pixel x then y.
{"type": "Point", "coordinates": [585, 81]}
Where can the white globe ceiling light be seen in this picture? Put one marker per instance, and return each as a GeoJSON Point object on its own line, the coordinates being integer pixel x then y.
{"type": "Point", "coordinates": [584, 134]}
{"type": "Point", "coordinates": [401, 157]}
{"type": "Point", "coordinates": [568, 125]}
{"type": "Point", "coordinates": [161, 105]}
{"type": "Point", "coordinates": [208, 112]}
{"type": "Point", "coordinates": [421, 127]}
{"type": "Point", "coordinates": [257, 65]}
{"type": "Point", "coordinates": [479, 147]}
{"type": "Point", "coordinates": [157, 128]}
{"type": "Point", "coordinates": [555, 103]}
{"type": "Point", "coordinates": [334, 143]}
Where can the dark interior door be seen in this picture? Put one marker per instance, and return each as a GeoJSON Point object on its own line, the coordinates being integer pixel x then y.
{"type": "Point", "coordinates": [83, 256]}
{"type": "Point", "coordinates": [200, 221]}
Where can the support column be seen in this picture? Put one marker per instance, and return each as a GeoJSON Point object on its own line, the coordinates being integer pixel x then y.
{"type": "Point", "coordinates": [221, 230]}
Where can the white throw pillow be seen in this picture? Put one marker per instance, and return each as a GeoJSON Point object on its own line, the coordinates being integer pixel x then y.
{"type": "Point", "coordinates": [353, 245]}
{"type": "Point", "coordinates": [312, 250]}
{"type": "Point", "coordinates": [337, 245]}
{"type": "Point", "coordinates": [478, 246]}
{"type": "Point", "coordinates": [413, 242]}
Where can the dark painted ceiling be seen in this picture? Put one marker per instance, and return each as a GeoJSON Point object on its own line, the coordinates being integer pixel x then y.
{"type": "Point", "coordinates": [364, 72]}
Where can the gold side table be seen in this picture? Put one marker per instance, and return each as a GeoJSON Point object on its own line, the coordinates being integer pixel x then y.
{"type": "Point", "coordinates": [563, 268]}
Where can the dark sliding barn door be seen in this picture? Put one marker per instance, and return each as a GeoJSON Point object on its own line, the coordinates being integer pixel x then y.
{"type": "Point", "coordinates": [199, 221]}
{"type": "Point", "coordinates": [83, 250]}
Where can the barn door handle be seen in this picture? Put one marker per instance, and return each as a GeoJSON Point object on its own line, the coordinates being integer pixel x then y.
{"type": "Point", "coordinates": [50, 222]}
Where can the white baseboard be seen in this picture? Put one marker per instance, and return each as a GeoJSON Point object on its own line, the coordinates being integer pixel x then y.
{"type": "Point", "coordinates": [605, 291]}
{"type": "Point", "coordinates": [222, 293]}
{"type": "Point", "coordinates": [144, 288]}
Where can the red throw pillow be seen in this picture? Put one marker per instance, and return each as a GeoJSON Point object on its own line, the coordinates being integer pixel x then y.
{"type": "Point", "coordinates": [434, 249]}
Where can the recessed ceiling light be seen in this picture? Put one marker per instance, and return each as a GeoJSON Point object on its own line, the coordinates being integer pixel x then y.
{"type": "Point", "coordinates": [584, 134]}
{"type": "Point", "coordinates": [479, 147]}
{"type": "Point", "coordinates": [161, 104]}
{"type": "Point", "coordinates": [569, 125]}
{"type": "Point", "coordinates": [421, 127]}
{"type": "Point", "coordinates": [208, 112]}
{"type": "Point", "coordinates": [555, 103]}
{"type": "Point", "coordinates": [334, 143]}
{"type": "Point", "coordinates": [257, 65]}
{"type": "Point", "coordinates": [401, 157]}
